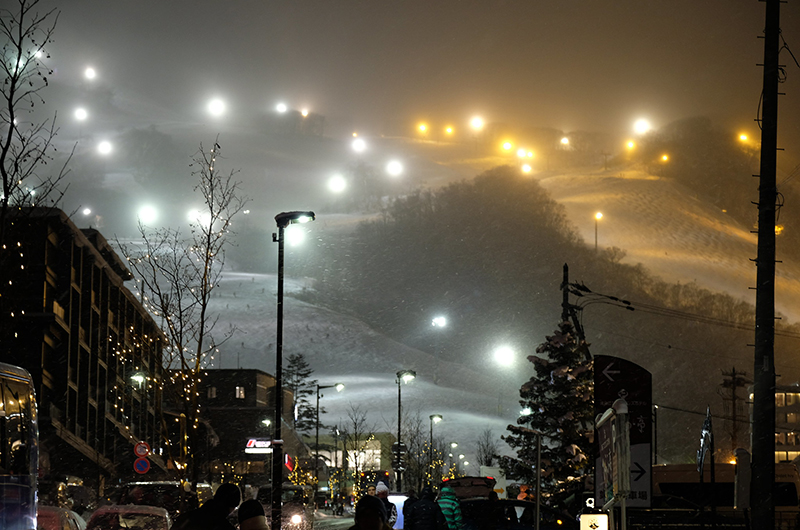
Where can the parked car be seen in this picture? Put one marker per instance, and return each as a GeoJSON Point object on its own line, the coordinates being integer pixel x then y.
{"type": "Point", "coordinates": [54, 518]}
{"type": "Point", "coordinates": [506, 514]}
{"type": "Point", "coordinates": [129, 516]}
{"type": "Point", "coordinates": [166, 494]}
{"type": "Point", "coordinates": [471, 487]}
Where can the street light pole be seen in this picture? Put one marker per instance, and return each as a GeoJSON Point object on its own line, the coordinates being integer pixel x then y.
{"type": "Point", "coordinates": [403, 376]}
{"type": "Point", "coordinates": [597, 218]}
{"type": "Point", "coordinates": [435, 418]}
{"type": "Point", "coordinates": [283, 220]}
{"type": "Point", "coordinates": [339, 387]}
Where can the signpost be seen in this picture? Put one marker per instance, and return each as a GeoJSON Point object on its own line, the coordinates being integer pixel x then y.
{"type": "Point", "coordinates": [614, 379]}
{"type": "Point", "coordinates": [141, 449]}
{"type": "Point", "coordinates": [141, 465]}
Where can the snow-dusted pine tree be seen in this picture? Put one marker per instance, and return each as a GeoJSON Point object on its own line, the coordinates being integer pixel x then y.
{"type": "Point", "coordinates": [556, 402]}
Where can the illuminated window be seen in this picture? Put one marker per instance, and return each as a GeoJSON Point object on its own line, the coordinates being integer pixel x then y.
{"type": "Point", "coordinates": [791, 418]}
{"type": "Point", "coordinates": [791, 399]}
{"type": "Point", "coordinates": [212, 392]}
{"type": "Point", "coordinates": [239, 392]}
{"type": "Point", "coordinates": [780, 400]}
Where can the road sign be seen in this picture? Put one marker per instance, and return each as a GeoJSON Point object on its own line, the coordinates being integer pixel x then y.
{"type": "Point", "coordinates": [141, 465]}
{"type": "Point", "coordinates": [616, 378]}
{"type": "Point", "coordinates": [141, 449]}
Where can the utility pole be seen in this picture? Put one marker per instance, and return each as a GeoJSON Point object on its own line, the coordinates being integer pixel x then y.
{"type": "Point", "coordinates": [733, 382]}
{"type": "Point", "coordinates": [763, 467]}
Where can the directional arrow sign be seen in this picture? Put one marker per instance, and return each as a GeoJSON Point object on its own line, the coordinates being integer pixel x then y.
{"type": "Point", "coordinates": [608, 371]}
{"type": "Point", "coordinates": [637, 471]}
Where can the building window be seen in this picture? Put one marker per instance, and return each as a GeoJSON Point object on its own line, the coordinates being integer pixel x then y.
{"type": "Point", "coordinates": [791, 399]}
{"type": "Point", "coordinates": [239, 392]}
{"type": "Point", "coordinates": [780, 400]}
{"type": "Point", "coordinates": [780, 438]}
{"type": "Point", "coordinates": [212, 392]}
{"type": "Point", "coordinates": [791, 417]}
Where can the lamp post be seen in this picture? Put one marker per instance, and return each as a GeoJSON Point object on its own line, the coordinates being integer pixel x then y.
{"type": "Point", "coordinates": [435, 418]}
{"type": "Point", "coordinates": [283, 220]}
{"type": "Point", "coordinates": [403, 376]}
{"type": "Point", "coordinates": [339, 387]}
{"type": "Point", "coordinates": [597, 218]}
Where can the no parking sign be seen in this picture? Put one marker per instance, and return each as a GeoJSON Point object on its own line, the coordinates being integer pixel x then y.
{"type": "Point", "coordinates": [141, 465]}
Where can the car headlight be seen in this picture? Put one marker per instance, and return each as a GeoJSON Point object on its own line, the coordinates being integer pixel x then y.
{"type": "Point", "coordinates": [296, 519]}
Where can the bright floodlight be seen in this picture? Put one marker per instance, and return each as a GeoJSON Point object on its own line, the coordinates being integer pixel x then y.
{"type": "Point", "coordinates": [439, 322]}
{"type": "Point", "coordinates": [267, 422]}
{"type": "Point", "coordinates": [504, 356]}
{"type": "Point", "coordinates": [359, 145]}
{"type": "Point", "coordinates": [138, 378]}
{"type": "Point", "coordinates": [565, 141]}
{"type": "Point", "coordinates": [87, 211]}
{"type": "Point", "coordinates": [448, 130]}
{"type": "Point", "coordinates": [337, 184]}
{"type": "Point", "coordinates": [521, 152]}
{"type": "Point", "coordinates": [394, 168]}
{"type": "Point", "coordinates": [743, 137]}
{"type": "Point", "coordinates": [507, 146]}
{"type": "Point", "coordinates": [104, 147]}
{"type": "Point", "coordinates": [664, 158]}
{"type": "Point", "coordinates": [631, 144]}
{"type": "Point", "coordinates": [453, 444]}
{"type": "Point", "coordinates": [281, 107]}
{"type": "Point", "coordinates": [147, 214]}
{"type": "Point", "coordinates": [198, 217]}
{"type": "Point", "coordinates": [641, 126]}
{"type": "Point", "coordinates": [216, 107]}
{"type": "Point", "coordinates": [476, 123]}
{"type": "Point", "coordinates": [295, 235]}
{"type": "Point", "coordinates": [304, 112]}
{"type": "Point", "coordinates": [526, 168]}
{"type": "Point", "coordinates": [406, 375]}
{"type": "Point", "coordinates": [527, 411]}
{"type": "Point", "coordinates": [81, 114]}
{"type": "Point", "coordinates": [89, 73]}
{"type": "Point", "coordinates": [339, 387]}
{"type": "Point", "coordinates": [436, 418]}
{"type": "Point", "coordinates": [422, 127]}
{"type": "Point", "coordinates": [598, 215]}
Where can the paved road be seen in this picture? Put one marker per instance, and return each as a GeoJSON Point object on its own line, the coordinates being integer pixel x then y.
{"type": "Point", "coordinates": [331, 523]}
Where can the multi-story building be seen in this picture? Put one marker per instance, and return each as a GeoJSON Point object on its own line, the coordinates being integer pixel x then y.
{"type": "Point", "coordinates": [91, 347]}
{"type": "Point", "coordinates": [240, 404]}
{"type": "Point", "coordinates": [787, 423]}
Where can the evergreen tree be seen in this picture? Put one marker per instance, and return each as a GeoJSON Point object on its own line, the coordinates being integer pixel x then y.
{"type": "Point", "coordinates": [557, 402]}
{"type": "Point", "coordinates": [296, 377]}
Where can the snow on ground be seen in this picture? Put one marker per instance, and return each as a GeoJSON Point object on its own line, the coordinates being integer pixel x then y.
{"type": "Point", "coordinates": [344, 349]}
{"type": "Point", "coordinates": [662, 225]}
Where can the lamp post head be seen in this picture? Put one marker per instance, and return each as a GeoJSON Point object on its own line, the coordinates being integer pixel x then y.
{"type": "Point", "coordinates": [453, 444]}
{"type": "Point", "coordinates": [436, 418]}
{"type": "Point", "coordinates": [287, 218]}
{"type": "Point", "coordinates": [339, 387]}
{"type": "Point", "coordinates": [439, 322]}
{"type": "Point", "coordinates": [406, 376]}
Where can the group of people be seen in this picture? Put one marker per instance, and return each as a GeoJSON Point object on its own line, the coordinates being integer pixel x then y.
{"type": "Point", "coordinates": [374, 511]}
{"type": "Point", "coordinates": [213, 515]}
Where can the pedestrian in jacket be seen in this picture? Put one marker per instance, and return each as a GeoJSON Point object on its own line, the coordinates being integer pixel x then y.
{"type": "Point", "coordinates": [251, 516]}
{"type": "Point", "coordinates": [382, 492]}
{"type": "Point", "coordinates": [213, 515]}
{"type": "Point", "coordinates": [370, 514]}
{"type": "Point", "coordinates": [425, 514]}
{"type": "Point", "coordinates": [451, 508]}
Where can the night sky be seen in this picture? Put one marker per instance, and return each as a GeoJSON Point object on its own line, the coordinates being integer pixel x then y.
{"type": "Point", "coordinates": [591, 65]}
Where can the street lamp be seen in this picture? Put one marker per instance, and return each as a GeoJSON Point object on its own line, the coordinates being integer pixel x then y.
{"type": "Point", "coordinates": [439, 322]}
{"type": "Point", "coordinates": [403, 376]}
{"type": "Point", "coordinates": [435, 418]}
{"type": "Point", "coordinates": [597, 218]}
{"type": "Point", "coordinates": [283, 220]}
{"type": "Point", "coordinates": [339, 387]}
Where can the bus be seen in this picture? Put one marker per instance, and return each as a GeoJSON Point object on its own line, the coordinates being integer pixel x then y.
{"type": "Point", "coordinates": [371, 478]}
{"type": "Point", "coordinates": [19, 449]}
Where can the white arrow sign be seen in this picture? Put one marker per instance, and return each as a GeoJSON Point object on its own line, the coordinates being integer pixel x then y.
{"type": "Point", "coordinates": [607, 372]}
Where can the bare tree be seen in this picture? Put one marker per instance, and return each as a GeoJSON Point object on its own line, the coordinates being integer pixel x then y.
{"type": "Point", "coordinates": [358, 433]}
{"type": "Point", "coordinates": [177, 274]}
{"type": "Point", "coordinates": [26, 144]}
{"type": "Point", "coordinates": [488, 448]}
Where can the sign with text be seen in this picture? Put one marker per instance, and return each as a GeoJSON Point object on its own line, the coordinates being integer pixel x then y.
{"type": "Point", "coordinates": [616, 378]}
{"type": "Point", "coordinates": [258, 446]}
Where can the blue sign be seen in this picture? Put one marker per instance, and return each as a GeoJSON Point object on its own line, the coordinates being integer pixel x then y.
{"type": "Point", "coordinates": [141, 465]}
